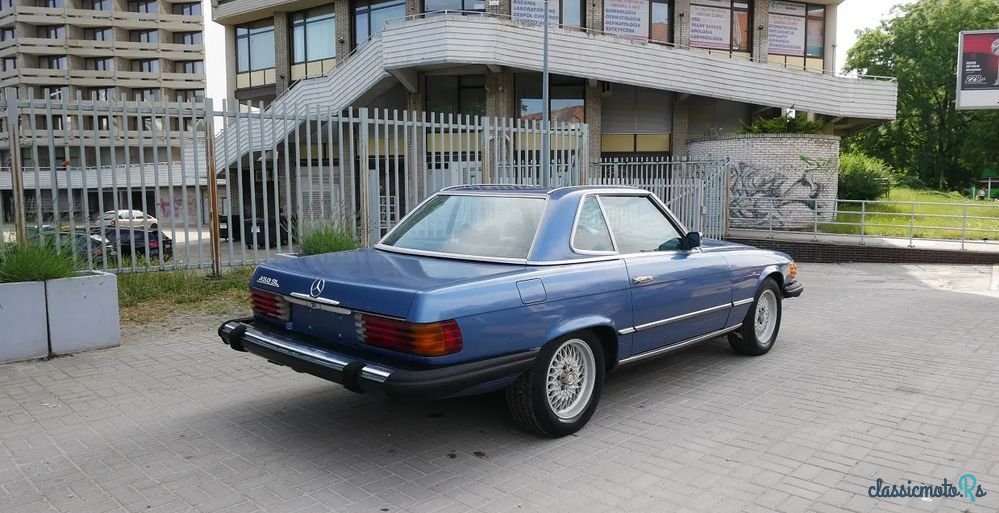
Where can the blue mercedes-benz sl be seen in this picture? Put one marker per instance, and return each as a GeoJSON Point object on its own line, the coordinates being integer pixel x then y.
{"type": "Point", "coordinates": [537, 291]}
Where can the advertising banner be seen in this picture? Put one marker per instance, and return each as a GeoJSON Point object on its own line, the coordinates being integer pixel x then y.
{"type": "Point", "coordinates": [978, 70]}
{"type": "Point", "coordinates": [710, 27]}
{"type": "Point", "coordinates": [533, 11]}
{"type": "Point", "coordinates": [787, 35]}
{"type": "Point", "coordinates": [791, 8]}
{"type": "Point", "coordinates": [627, 18]}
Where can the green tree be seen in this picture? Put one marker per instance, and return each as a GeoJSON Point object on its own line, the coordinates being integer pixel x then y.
{"type": "Point", "coordinates": [930, 139]}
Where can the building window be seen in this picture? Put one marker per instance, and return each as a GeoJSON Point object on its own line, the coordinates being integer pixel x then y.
{"type": "Point", "coordinates": [100, 93]}
{"type": "Point", "coordinates": [6, 4]}
{"type": "Point", "coordinates": [7, 34]}
{"type": "Point", "coordinates": [661, 21]}
{"type": "Point", "coordinates": [190, 9]}
{"type": "Point", "coordinates": [721, 25]}
{"type": "Point", "coordinates": [149, 95]}
{"type": "Point", "coordinates": [144, 36]}
{"type": "Point", "coordinates": [457, 94]}
{"type": "Point", "coordinates": [191, 95]}
{"type": "Point", "coordinates": [99, 63]}
{"type": "Point", "coordinates": [53, 62]}
{"type": "Point", "coordinates": [568, 13]}
{"type": "Point", "coordinates": [255, 46]}
{"type": "Point", "coordinates": [52, 32]}
{"type": "Point", "coordinates": [454, 5]}
{"type": "Point", "coordinates": [58, 4]}
{"type": "Point", "coordinates": [9, 63]}
{"type": "Point", "coordinates": [370, 17]}
{"type": "Point", "coordinates": [313, 34]}
{"type": "Point", "coordinates": [145, 6]}
{"type": "Point", "coordinates": [189, 67]}
{"type": "Point", "coordinates": [97, 5]}
{"type": "Point", "coordinates": [56, 93]}
{"type": "Point", "coordinates": [98, 34]}
{"type": "Point", "coordinates": [188, 38]}
{"type": "Point", "coordinates": [567, 97]}
{"type": "Point", "coordinates": [796, 35]}
{"type": "Point", "coordinates": [146, 65]}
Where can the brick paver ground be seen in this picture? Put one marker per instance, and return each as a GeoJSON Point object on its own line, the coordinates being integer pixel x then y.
{"type": "Point", "coordinates": [879, 372]}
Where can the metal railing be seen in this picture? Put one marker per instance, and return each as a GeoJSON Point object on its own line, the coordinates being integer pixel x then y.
{"type": "Point", "coordinates": [694, 190]}
{"type": "Point", "coordinates": [957, 225]}
{"type": "Point", "coordinates": [158, 201]}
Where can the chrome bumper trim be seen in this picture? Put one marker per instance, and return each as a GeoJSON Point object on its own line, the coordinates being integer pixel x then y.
{"type": "Point", "coordinates": [679, 345]}
{"type": "Point", "coordinates": [318, 356]}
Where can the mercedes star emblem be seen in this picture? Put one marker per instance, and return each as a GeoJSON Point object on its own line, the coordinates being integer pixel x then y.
{"type": "Point", "coordinates": [317, 287]}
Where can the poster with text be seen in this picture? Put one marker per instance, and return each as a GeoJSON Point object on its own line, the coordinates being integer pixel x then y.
{"type": "Point", "coordinates": [710, 27]}
{"type": "Point", "coordinates": [533, 11]}
{"type": "Point", "coordinates": [787, 35]}
{"type": "Point", "coordinates": [627, 18]}
{"type": "Point", "coordinates": [978, 70]}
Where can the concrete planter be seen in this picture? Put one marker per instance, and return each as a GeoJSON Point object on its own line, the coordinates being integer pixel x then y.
{"type": "Point", "coordinates": [83, 313]}
{"type": "Point", "coordinates": [22, 315]}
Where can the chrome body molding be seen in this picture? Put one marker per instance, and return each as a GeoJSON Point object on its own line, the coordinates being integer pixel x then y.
{"type": "Point", "coordinates": [317, 303]}
{"type": "Point", "coordinates": [311, 354]}
{"type": "Point", "coordinates": [663, 322]}
{"type": "Point", "coordinates": [742, 302]}
{"type": "Point", "coordinates": [679, 345]}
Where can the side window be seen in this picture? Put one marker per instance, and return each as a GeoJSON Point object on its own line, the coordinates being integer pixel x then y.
{"type": "Point", "coordinates": [638, 225]}
{"type": "Point", "coordinates": [591, 229]}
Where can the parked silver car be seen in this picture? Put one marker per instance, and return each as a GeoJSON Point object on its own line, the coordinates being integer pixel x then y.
{"type": "Point", "coordinates": [128, 219]}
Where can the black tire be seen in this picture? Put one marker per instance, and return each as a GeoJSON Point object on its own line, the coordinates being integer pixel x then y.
{"type": "Point", "coordinates": [527, 398]}
{"type": "Point", "coordinates": [745, 340]}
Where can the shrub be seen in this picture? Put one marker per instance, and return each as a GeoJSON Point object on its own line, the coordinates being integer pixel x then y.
{"type": "Point", "coordinates": [325, 236]}
{"type": "Point", "coordinates": [782, 125]}
{"type": "Point", "coordinates": [35, 262]}
{"type": "Point", "coordinates": [864, 178]}
{"type": "Point", "coordinates": [911, 182]}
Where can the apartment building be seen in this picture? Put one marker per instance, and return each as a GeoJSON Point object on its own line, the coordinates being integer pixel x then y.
{"type": "Point", "coordinates": [101, 50]}
{"type": "Point", "coordinates": [645, 75]}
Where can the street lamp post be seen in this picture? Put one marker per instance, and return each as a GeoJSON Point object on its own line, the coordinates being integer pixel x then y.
{"type": "Point", "coordinates": [545, 132]}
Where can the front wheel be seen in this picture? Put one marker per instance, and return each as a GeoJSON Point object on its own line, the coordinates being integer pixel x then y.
{"type": "Point", "coordinates": [558, 395]}
{"type": "Point", "coordinates": [759, 329]}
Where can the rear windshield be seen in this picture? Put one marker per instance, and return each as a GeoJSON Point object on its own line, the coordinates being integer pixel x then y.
{"type": "Point", "coordinates": [471, 225]}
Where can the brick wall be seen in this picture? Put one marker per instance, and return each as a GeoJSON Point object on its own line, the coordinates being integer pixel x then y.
{"type": "Point", "coordinates": [783, 180]}
{"type": "Point", "coordinates": [818, 252]}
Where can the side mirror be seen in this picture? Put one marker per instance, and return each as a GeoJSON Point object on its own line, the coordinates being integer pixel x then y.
{"type": "Point", "coordinates": [692, 240]}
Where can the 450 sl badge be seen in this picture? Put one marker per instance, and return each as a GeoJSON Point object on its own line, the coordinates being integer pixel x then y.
{"type": "Point", "coordinates": [268, 281]}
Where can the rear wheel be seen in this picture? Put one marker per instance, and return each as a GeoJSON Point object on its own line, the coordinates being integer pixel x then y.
{"type": "Point", "coordinates": [560, 393]}
{"type": "Point", "coordinates": [759, 329]}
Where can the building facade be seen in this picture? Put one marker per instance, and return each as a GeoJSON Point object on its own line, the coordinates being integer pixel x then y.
{"type": "Point", "coordinates": [647, 76]}
{"type": "Point", "coordinates": [104, 53]}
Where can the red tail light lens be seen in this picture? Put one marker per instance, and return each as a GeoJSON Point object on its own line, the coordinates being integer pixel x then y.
{"type": "Point", "coordinates": [271, 305]}
{"type": "Point", "coordinates": [422, 339]}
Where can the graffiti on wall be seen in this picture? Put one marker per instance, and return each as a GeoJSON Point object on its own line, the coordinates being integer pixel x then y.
{"type": "Point", "coordinates": [787, 196]}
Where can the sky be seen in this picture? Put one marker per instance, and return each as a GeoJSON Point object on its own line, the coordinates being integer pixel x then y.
{"type": "Point", "coordinates": [853, 15]}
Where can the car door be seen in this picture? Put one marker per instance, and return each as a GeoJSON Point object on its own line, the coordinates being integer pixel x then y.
{"type": "Point", "coordinates": [677, 294]}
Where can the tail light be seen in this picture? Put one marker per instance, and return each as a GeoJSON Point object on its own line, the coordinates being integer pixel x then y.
{"type": "Point", "coordinates": [422, 339]}
{"type": "Point", "coordinates": [154, 244]}
{"type": "Point", "coordinates": [271, 305]}
{"type": "Point", "coordinates": [113, 222]}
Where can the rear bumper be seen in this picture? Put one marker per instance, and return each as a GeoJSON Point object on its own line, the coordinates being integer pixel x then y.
{"type": "Point", "coordinates": [360, 375]}
{"type": "Point", "coordinates": [793, 289]}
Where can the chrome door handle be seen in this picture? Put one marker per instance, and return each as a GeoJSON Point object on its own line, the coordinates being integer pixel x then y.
{"type": "Point", "coordinates": [638, 280]}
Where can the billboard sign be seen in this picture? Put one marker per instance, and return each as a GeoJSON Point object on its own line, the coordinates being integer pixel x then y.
{"type": "Point", "coordinates": [978, 70]}
{"type": "Point", "coordinates": [710, 27]}
{"type": "Point", "coordinates": [533, 11]}
{"type": "Point", "coordinates": [627, 18]}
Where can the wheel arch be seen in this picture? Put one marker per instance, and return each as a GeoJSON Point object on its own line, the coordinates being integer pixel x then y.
{"type": "Point", "coordinates": [601, 327]}
{"type": "Point", "coordinates": [771, 271]}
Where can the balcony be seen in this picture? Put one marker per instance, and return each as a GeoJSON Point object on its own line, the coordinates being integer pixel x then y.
{"type": "Point", "coordinates": [460, 40]}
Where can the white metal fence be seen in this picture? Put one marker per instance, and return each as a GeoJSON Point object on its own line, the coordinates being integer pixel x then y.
{"type": "Point", "coordinates": [970, 225]}
{"type": "Point", "coordinates": [137, 186]}
{"type": "Point", "coordinates": [694, 190]}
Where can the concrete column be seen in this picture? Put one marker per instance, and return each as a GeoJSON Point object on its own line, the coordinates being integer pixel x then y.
{"type": "Point", "coordinates": [830, 64]}
{"type": "Point", "coordinates": [595, 16]}
{"type": "Point", "coordinates": [500, 101]}
{"type": "Point", "coordinates": [681, 23]}
{"type": "Point", "coordinates": [680, 133]}
{"type": "Point", "coordinates": [501, 7]}
{"type": "Point", "coordinates": [344, 29]}
{"type": "Point", "coordinates": [761, 29]}
{"type": "Point", "coordinates": [594, 102]}
{"type": "Point", "coordinates": [230, 69]}
{"type": "Point", "coordinates": [413, 7]}
{"type": "Point", "coordinates": [282, 52]}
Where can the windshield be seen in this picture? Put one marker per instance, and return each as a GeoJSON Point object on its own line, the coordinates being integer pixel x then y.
{"type": "Point", "coordinates": [472, 225]}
